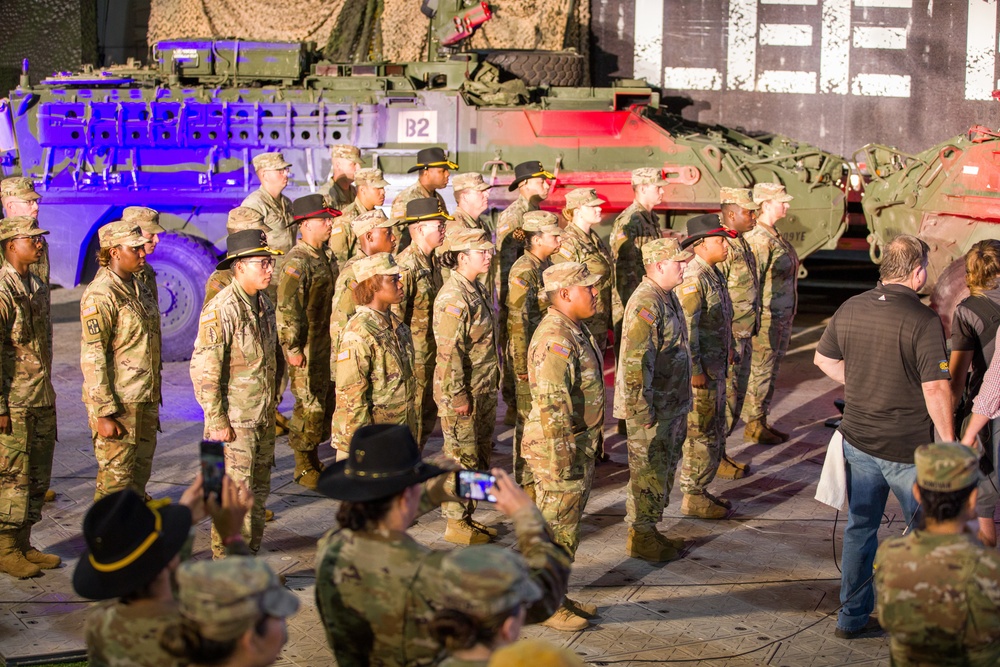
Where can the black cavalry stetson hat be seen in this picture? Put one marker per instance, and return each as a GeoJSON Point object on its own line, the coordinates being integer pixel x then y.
{"type": "Point", "coordinates": [312, 206]}
{"type": "Point", "coordinates": [248, 243]}
{"type": "Point", "coordinates": [526, 170]}
{"type": "Point", "coordinates": [432, 157]}
{"type": "Point", "coordinates": [425, 208]}
{"type": "Point", "coordinates": [129, 542]}
{"type": "Point", "coordinates": [703, 226]}
{"type": "Point", "coordinates": [382, 461]}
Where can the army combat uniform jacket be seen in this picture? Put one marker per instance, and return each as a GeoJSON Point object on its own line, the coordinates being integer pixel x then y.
{"type": "Point", "coordinates": [740, 272]}
{"type": "Point", "coordinates": [25, 342]}
{"type": "Point", "coordinates": [281, 228]}
{"type": "Point", "coordinates": [343, 243]}
{"type": "Point", "coordinates": [343, 306]}
{"type": "Point", "coordinates": [527, 302]}
{"type": "Point", "coordinates": [589, 249]}
{"type": "Point", "coordinates": [305, 293]}
{"type": "Point", "coordinates": [420, 275]}
{"type": "Point", "coordinates": [778, 268]}
{"type": "Point", "coordinates": [508, 250]}
{"type": "Point", "coordinates": [709, 313]}
{"type": "Point", "coordinates": [633, 228]}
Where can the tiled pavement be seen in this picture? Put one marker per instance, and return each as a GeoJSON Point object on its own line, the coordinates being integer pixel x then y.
{"type": "Point", "coordinates": [753, 590]}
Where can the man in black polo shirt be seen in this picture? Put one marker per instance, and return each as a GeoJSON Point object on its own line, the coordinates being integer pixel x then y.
{"type": "Point", "coordinates": [888, 350]}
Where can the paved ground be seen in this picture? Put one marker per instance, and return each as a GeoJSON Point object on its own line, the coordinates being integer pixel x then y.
{"type": "Point", "coordinates": [756, 589]}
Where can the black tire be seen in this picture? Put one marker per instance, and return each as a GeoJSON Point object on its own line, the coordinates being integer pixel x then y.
{"type": "Point", "coordinates": [949, 291]}
{"type": "Point", "coordinates": [540, 68]}
{"type": "Point", "coordinates": [183, 264]}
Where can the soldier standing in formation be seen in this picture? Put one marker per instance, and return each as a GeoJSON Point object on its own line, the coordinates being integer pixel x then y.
{"type": "Point", "coordinates": [120, 360]}
{"type": "Point", "coordinates": [421, 279]}
{"type": "Point", "coordinates": [435, 168]}
{"type": "Point", "coordinates": [305, 294]}
{"type": "Point", "coordinates": [345, 160]}
{"type": "Point", "coordinates": [27, 399]}
{"type": "Point", "coordinates": [18, 197]}
{"type": "Point", "coordinates": [149, 223]}
{"type": "Point", "coordinates": [471, 201]}
{"type": "Point", "coordinates": [709, 314]}
{"type": "Point", "coordinates": [653, 396]}
{"type": "Point", "coordinates": [370, 186]}
{"type": "Point", "coordinates": [374, 359]}
{"type": "Point", "coordinates": [565, 427]}
{"type": "Point", "coordinates": [239, 219]}
{"type": "Point", "coordinates": [232, 370]}
{"type": "Point", "coordinates": [466, 371]}
{"type": "Point", "coordinates": [527, 302]}
{"type": "Point", "coordinates": [739, 270]}
{"type": "Point", "coordinates": [778, 264]}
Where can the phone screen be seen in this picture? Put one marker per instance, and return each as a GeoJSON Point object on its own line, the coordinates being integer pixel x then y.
{"type": "Point", "coordinates": [474, 485]}
{"type": "Point", "coordinates": [213, 467]}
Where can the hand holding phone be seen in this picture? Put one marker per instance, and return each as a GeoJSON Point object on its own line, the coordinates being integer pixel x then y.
{"type": "Point", "coordinates": [474, 485]}
{"type": "Point", "coordinates": [213, 468]}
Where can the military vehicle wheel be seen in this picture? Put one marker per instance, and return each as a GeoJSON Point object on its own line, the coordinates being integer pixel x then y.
{"type": "Point", "coordinates": [183, 264]}
{"type": "Point", "coordinates": [948, 292]}
{"type": "Point", "coordinates": [540, 68]}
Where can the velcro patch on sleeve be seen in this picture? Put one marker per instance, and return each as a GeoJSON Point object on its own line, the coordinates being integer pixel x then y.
{"type": "Point", "coordinates": [337, 230]}
{"type": "Point", "coordinates": [216, 285]}
{"type": "Point", "coordinates": [561, 350]}
{"type": "Point", "coordinates": [89, 310]}
{"type": "Point", "coordinates": [647, 316]}
{"type": "Point", "coordinates": [210, 316]}
{"type": "Point", "coordinates": [622, 236]}
{"type": "Point", "coordinates": [690, 289]}
{"type": "Point", "coordinates": [93, 328]}
{"type": "Point", "coordinates": [502, 228]}
{"type": "Point", "coordinates": [344, 356]}
{"type": "Point", "coordinates": [454, 311]}
{"type": "Point", "coordinates": [292, 271]}
{"type": "Point", "coordinates": [520, 283]}
{"type": "Point", "coordinates": [354, 283]}
{"type": "Point", "coordinates": [566, 252]}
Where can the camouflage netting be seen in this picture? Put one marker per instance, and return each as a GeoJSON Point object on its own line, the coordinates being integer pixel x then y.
{"type": "Point", "coordinates": [395, 26]}
{"type": "Point", "coordinates": [70, 37]}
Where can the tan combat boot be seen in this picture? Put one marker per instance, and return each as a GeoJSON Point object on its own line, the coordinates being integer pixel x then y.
{"type": "Point", "coordinates": [50, 495]}
{"type": "Point", "coordinates": [462, 532]}
{"type": "Point", "coordinates": [281, 425]}
{"type": "Point", "coordinates": [730, 469]}
{"type": "Point", "coordinates": [268, 515]}
{"type": "Point", "coordinates": [12, 561]}
{"type": "Point", "coordinates": [758, 432]}
{"type": "Point", "coordinates": [565, 620]}
{"type": "Point", "coordinates": [643, 544]}
{"type": "Point", "coordinates": [314, 457]}
{"type": "Point", "coordinates": [483, 528]}
{"type": "Point", "coordinates": [305, 473]}
{"type": "Point", "coordinates": [33, 555]}
{"type": "Point", "coordinates": [584, 609]}
{"type": "Point", "coordinates": [530, 490]}
{"type": "Point", "coordinates": [781, 434]}
{"type": "Point", "coordinates": [674, 542]}
{"type": "Point", "coordinates": [702, 507]}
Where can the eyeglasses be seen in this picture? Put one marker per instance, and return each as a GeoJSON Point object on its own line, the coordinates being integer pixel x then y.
{"type": "Point", "coordinates": [37, 240]}
{"type": "Point", "coordinates": [264, 263]}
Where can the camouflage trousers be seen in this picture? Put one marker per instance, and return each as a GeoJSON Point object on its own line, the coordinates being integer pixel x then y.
{"type": "Point", "coordinates": [26, 465]}
{"type": "Point", "coordinates": [522, 472]}
{"type": "Point", "coordinates": [425, 409]}
{"type": "Point", "coordinates": [562, 502]}
{"type": "Point", "coordinates": [469, 442]}
{"type": "Point", "coordinates": [736, 381]}
{"type": "Point", "coordinates": [249, 458]}
{"type": "Point", "coordinates": [705, 444]}
{"type": "Point", "coordinates": [769, 348]}
{"type": "Point", "coordinates": [314, 403]}
{"type": "Point", "coordinates": [653, 455]}
{"type": "Point", "coordinates": [128, 461]}
{"type": "Point", "coordinates": [508, 381]}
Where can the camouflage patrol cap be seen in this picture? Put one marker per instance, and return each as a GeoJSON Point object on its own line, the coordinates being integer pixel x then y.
{"type": "Point", "coordinates": [583, 197]}
{"type": "Point", "coordinates": [647, 176]}
{"type": "Point", "coordinates": [147, 219]}
{"type": "Point", "coordinates": [19, 225]}
{"type": "Point", "coordinates": [270, 162]}
{"type": "Point", "coordinates": [568, 274]}
{"type": "Point", "coordinates": [469, 181]}
{"type": "Point", "coordinates": [770, 192]}
{"type": "Point", "coordinates": [739, 196]}
{"type": "Point", "coordinates": [368, 221]}
{"type": "Point", "coordinates": [19, 187]}
{"type": "Point", "coordinates": [345, 152]}
{"type": "Point", "coordinates": [485, 581]}
{"type": "Point", "coordinates": [541, 222]}
{"type": "Point", "coordinates": [371, 177]}
{"type": "Point", "coordinates": [379, 264]}
{"type": "Point", "coordinates": [467, 239]}
{"type": "Point", "coordinates": [242, 218]}
{"type": "Point", "coordinates": [121, 232]}
{"type": "Point", "coordinates": [946, 466]}
{"type": "Point", "coordinates": [658, 250]}
{"type": "Point", "coordinates": [225, 598]}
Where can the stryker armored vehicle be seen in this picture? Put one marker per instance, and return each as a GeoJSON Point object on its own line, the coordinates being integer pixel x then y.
{"type": "Point", "coordinates": [179, 135]}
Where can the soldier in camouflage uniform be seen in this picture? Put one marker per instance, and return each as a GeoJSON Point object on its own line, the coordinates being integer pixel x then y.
{"type": "Point", "coordinates": [527, 302]}
{"type": "Point", "coordinates": [633, 228]}
{"type": "Point", "coordinates": [239, 219]}
{"type": "Point", "coordinates": [232, 370]}
{"type": "Point", "coordinates": [376, 587]}
{"type": "Point", "coordinates": [740, 273]}
{"type": "Point", "coordinates": [371, 194]}
{"type": "Point", "coordinates": [938, 589]}
{"type": "Point", "coordinates": [471, 201]}
{"type": "Point", "coordinates": [375, 358]}
{"type": "Point", "coordinates": [653, 396]}
{"type": "Point", "coordinates": [305, 292]}
{"type": "Point", "coordinates": [566, 424]}
{"type": "Point", "coordinates": [466, 371]}
{"type": "Point", "coordinates": [709, 314]}
{"type": "Point", "coordinates": [435, 168]}
{"type": "Point", "coordinates": [778, 266]}
{"type": "Point", "coordinates": [27, 399]}
{"type": "Point", "coordinates": [345, 161]}
{"type": "Point", "coordinates": [18, 197]}
{"type": "Point", "coordinates": [532, 184]}
{"type": "Point", "coordinates": [421, 277]}
{"type": "Point", "coordinates": [149, 222]}
{"type": "Point", "coordinates": [120, 359]}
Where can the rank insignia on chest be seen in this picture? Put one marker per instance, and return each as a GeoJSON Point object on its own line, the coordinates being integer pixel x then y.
{"type": "Point", "coordinates": [344, 356]}
{"type": "Point", "coordinates": [647, 316]}
{"type": "Point", "coordinates": [454, 311]}
{"type": "Point", "coordinates": [520, 283]}
{"type": "Point", "coordinates": [292, 271]}
{"type": "Point", "coordinates": [89, 310]}
{"type": "Point", "coordinates": [93, 328]}
{"type": "Point", "coordinates": [561, 350]}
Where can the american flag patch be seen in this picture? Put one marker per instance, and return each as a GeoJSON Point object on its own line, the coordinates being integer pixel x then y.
{"type": "Point", "coordinates": [209, 316]}
{"type": "Point", "coordinates": [690, 289]}
{"type": "Point", "coordinates": [344, 356]}
{"type": "Point", "coordinates": [647, 316]}
{"type": "Point", "coordinates": [622, 236]}
{"type": "Point", "coordinates": [454, 311]}
{"type": "Point", "coordinates": [292, 271]}
{"type": "Point", "coordinates": [502, 228]}
{"type": "Point", "coordinates": [561, 350]}
{"type": "Point", "coordinates": [520, 283]}
{"type": "Point", "coordinates": [89, 310]}
{"type": "Point", "coordinates": [216, 285]}
{"type": "Point", "coordinates": [354, 283]}
{"type": "Point", "coordinates": [337, 230]}
{"type": "Point", "coordinates": [566, 252]}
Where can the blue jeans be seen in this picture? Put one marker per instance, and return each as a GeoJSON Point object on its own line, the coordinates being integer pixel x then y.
{"type": "Point", "coordinates": [869, 480]}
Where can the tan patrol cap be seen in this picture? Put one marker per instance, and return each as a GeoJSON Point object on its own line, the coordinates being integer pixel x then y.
{"type": "Point", "coordinates": [370, 220]}
{"type": "Point", "coordinates": [469, 181]}
{"type": "Point", "coordinates": [486, 580]}
{"type": "Point", "coordinates": [658, 250]}
{"type": "Point", "coordinates": [120, 232]}
{"type": "Point", "coordinates": [568, 274]}
{"type": "Point", "coordinates": [19, 225]}
{"type": "Point", "coordinates": [770, 192]}
{"type": "Point", "coordinates": [371, 177]}
{"type": "Point", "coordinates": [583, 197]}
{"type": "Point", "coordinates": [242, 218]}
{"type": "Point", "coordinates": [541, 222]}
{"type": "Point", "coordinates": [739, 196]}
{"type": "Point", "coordinates": [147, 219]}
{"type": "Point", "coordinates": [19, 187]}
{"type": "Point", "coordinates": [270, 162]}
{"type": "Point", "coordinates": [946, 466]}
{"type": "Point", "coordinates": [379, 264]}
{"type": "Point", "coordinates": [467, 239]}
{"type": "Point", "coordinates": [345, 152]}
{"type": "Point", "coordinates": [647, 176]}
